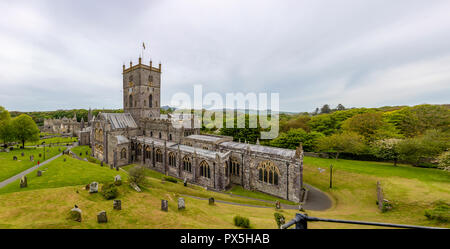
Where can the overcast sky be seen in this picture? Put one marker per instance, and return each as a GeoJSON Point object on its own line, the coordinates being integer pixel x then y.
{"type": "Point", "coordinates": [69, 54]}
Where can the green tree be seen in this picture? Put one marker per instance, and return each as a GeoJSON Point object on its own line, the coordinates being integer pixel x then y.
{"type": "Point", "coordinates": [349, 142]}
{"type": "Point", "coordinates": [371, 126]}
{"type": "Point", "coordinates": [325, 109]}
{"type": "Point", "coordinates": [425, 147]}
{"type": "Point", "coordinates": [294, 137]}
{"type": "Point", "coordinates": [6, 129]}
{"type": "Point", "coordinates": [25, 129]}
{"type": "Point", "coordinates": [444, 160]}
{"type": "Point", "coordinates": [387, 149]}
{"type": "Point", "coordinates": [340, 107]}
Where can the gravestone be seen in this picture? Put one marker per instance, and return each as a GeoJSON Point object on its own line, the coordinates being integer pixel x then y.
{"type": "Point", "coordinates": [118, 180]}
{"type": "Point", "coordinates": [39, 173]}
{"type": "Point", "coordinates": [181, 204]}
{"type": "Point", "coordinates": [93, 188]}
{"type": "Point", "coordinates": [22, 154]}
{"type": "Point", "coordinates": [101, 217]}
{"type": "Point", "coordinates": [81, 153]}
{"type": "Point", "coordinates": [117, 204]}
{"type": "Point", "coordinates": [23, 182]}
{"type": "Point", "coordinates": [32, 158]}
{"type": "Point", "coordinates": [117, 168]}
{"type": "Point", "coordinates": [75, 214]}
{"type": "Point", "coordinates": [87, 187]}
{"type": "Point", "coordinates": [40, 155]}
{"type": "Point", "coordinates": [185, 182]}
{"type": "Point", "coordinates": [277, 205]}
{"type": "Point", "coordinates": [101, 164]}
{"type": "Point", "coordinates": [165, 205]}
{"type": "Point", "coordinates": [14, 158]}
{"type": "Point", "coordinates": [64, 159]}
{"type": "Point", "coordinates": [379, 196]}
{"type": "Point", "coordinates": [211, 201]}
{"type": "Point", "coordinates": [135, 187]}
{"type": "Point", "coordinates": [86, 152]}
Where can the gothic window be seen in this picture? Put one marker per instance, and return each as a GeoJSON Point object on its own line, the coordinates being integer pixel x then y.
{"type": "Point", "coordinates": [204, 169]}
{"type": "Point", "coordinates": [139, 150]}
{"type": "Point", "coordinates": [123, 154]}
{"type": "Point", "coordinates": [170, 137]}
{"type": "Point", "coordinates": [160, 135]}
{"type": "Point", "coordinates": [172, 161]}
{"type": "Point", "coordinates": [159, 156]}
{"type": "Point", "coordinates": [268, 172]}
{"type": "Point", "coordinates": [187, 165]}
{"type": "Point", "coordinates": [150, 100]}
{"type": "Point", "coordinates": [130, 100]}
{"type": "Point", "coordinates": [147, 152]}
{"type": "Point", "coordinates": [151, 134]}
{"type": "Point", "coordinates": [234, 169]}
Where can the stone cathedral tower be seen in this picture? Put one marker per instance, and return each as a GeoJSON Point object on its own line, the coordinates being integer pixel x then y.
{"type": "Point", "coordinates": [141, 90]}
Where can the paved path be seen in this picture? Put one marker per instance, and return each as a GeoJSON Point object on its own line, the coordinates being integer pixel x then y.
{"type": "Point", "coordinates": [18, 176]}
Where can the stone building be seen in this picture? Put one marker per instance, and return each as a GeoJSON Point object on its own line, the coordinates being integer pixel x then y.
{"type": "Point", "coordinates": [142, 135]}
{"type": "Point", "coordinates": [63, 125]}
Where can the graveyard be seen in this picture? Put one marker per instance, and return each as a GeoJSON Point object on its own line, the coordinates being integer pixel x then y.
{"type": "Point", "coordinates": [47, 199]}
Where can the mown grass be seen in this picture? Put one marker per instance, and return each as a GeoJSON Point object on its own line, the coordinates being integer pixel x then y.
{"type": "Point", "coordinates": [53, 140]}
{"type": "Point", "coordinates": [9, 167]}
{"type": "Point", "coordinates": [69, 173]}
{"type": "Point", "coordinates": [410, 190]}
{"type": "Point", "coordinates": [80, 151]}
{"type": "Point", "coordinates": [239, 190]}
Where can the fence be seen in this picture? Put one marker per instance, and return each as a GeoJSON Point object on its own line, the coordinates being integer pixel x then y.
{"type": "Point", "coordinates": [301, 222]}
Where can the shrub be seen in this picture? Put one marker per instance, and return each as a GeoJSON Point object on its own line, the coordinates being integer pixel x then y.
{"type": "Point", "coordinates": [137, 175]}
{"type": "Point", "coordinates": [109, 191]}
{"type": "Point", "coordinates": [170, 179]}
{"type": "Point", "coordinates": [440, 213]}
{"type": "Point", "coordinates": [241, 221]}
{"type": "Point", "coordinates": [280, 219]}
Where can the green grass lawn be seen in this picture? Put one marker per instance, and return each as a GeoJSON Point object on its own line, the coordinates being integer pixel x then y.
{"type": "Point", "coordinates": [411, 191]}
{"type": "Point", "coordinates": [53, 140]}
{"type": "Point", "coordinates": [82, 149]}
{"type": "Point", "coordinates": [59, 174]}
{"type": "Point", "coordinates": [239, 190]}
{"type": "Point", "coordinates": [9, 167]}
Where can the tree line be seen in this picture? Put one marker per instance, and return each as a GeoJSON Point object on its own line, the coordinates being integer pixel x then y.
{"type": "Point", "coordinates": [21, 128]}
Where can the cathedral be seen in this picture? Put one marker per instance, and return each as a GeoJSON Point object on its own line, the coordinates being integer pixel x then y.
{"type": "Point", "coordinates": [141, 135]}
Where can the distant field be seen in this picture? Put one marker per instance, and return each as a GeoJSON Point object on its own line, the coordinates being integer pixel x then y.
{"type": "Point", "coordinates": [9, 167]}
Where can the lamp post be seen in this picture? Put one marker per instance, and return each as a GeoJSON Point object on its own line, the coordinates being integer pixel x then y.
{"type": "Point", "coordinates": [331, 175]}
{"type": "Point", "coordinates": [43, 143]}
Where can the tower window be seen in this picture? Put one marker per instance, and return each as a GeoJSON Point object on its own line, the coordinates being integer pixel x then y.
{"type": "Point", "coordinates": [150, 100]}
{"type": "Point", "coordinates": [130, 100]}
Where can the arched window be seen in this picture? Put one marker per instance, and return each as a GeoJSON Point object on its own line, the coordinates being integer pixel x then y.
{"type": "Point", "coordinates": [159, 156]}
{"type": "Point", "coordinates": [100, 135]}
{"type": "Point", "coordinates": [147, 152]}
{"type": "Point", "coordinates": [235, 167]}
{"type": "Point", "coordinates": [268, 172]}
{"type": "Point", "coordinates": [187, 165]}
{"type": "Point", "coordinates": [204, 169]}
{"type": "Point", "coordinates": [172, 161]}
{"type": "Point", "coordinates": [130, 100]}
{"type": "Point", "coordinates": [170, 137]}
{"type": "Point", "coordinates": [150, 101]}
{"type": "Point", "coordinates": [151, 134]}
{"type": "Point", "coordinates": [123, 154]}
{"type": "Point", "coordinates": [139, 150]}
{"type": "Point", "coordinates": [160, 135]}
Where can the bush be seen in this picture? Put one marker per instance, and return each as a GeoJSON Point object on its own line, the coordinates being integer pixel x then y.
{"type": "Point", "coordinates": [280, 219]}
{"type": "Point", "coordinates": [109, 191]}
{"type": "Point", "coordinates": [440, 213]}
{"type": "Point", "coordinates": [241, 221]}
{"type": "Point", "coordinates": [170, 179]}
{"type": "Point", "coordinates": [137, 175]}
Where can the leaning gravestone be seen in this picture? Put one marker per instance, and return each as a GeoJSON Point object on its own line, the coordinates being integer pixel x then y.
{"type": "Point", "coordinates": [93, 187]}
{"type": "Point", "coordinates": [135, 187]}
{"type": "Point", "coordinates": [39, 173]}
{"type": "Point", "coordinates": [181, 204]}
{"type": "Point", "coordinates": [101, 217]}
{"type": "Point", "coordinates": [164, 205]}
{"type": "Point", "coordinates": [211, 201]}
{"type": "Point", "coordinates": [75, 214]}
{"type": "Point", "coordinates": [117, 204]}
{"type": "Point", "coordinates": [23, 182]}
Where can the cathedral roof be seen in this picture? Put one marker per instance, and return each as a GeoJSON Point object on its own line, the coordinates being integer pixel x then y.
{"type": "Point", "coordinates": [122, 139]}
{"type": "Point", "coordinates": [120, 120]}
{"type": "Point", "coordinates": [208, 138]}
{"type": "Point", "coordinates": [260, 149]}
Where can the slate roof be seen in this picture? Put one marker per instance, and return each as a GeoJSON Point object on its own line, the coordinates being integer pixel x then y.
{"type": "Point", "coordinates": [120, 120]}
{"type": "Point", "coordinates": [149, 140]}
{"type": "Point", "coordinates": [205, 138]}
{"type": "Point", "coordinates": [201, 152]}
{"type": "Point", "coordinates": [122, 139]}
{"type": "Point", "coordinates": [260, 149]}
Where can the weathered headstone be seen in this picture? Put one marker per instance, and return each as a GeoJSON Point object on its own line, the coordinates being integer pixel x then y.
{"type": "Point", "coordinates": [117, 204]}
{"type": "Point", "coordinates": [277, 205]}
{"type": "Point", "coordinates": [81, 153]}
{"type": "Point", "coordinates": [135, 187]}
{"type": "Point", "coordinates": [23, 182]}
{"type": "Point", "coordinates": [39, 173]}
{"type": "Point", "coordinates": [185, 182]}
{"type": "Point", "coordinates": [101, 164]}
{"type": "Point", "coordinates": [117, 168]}
{"type": "Point", "coordinates": [379, 196]}
{"type": "Point", "coordinates": [32, 158]}
{"type": "Point", "coordinates": [22, 154]}
{"type": "Point", "coordinates": [181, 204]}
{"type": "Point", "coordinates": [75, 214]}
{"type": "Point", "coordinates": [93, 188]}
{"type": "Point", "coordinates": [87, 187]}
{"type": "Point", "coordinates": [165, 205]}
{"type": "Point", "coordinates": [86, 152]}
{"type": "Point", "coordinates": [101, 217]}
{"type": "Point", "coordinates": [40, 155]}
{"type": "Point", "coordinates": [118, 180]}
{"type": "Point", "coordinates": [14, 158]}
{"type": "Point", "coordinates": [64, 159]}
{"type": "Point", "coordinates": [211, 201]}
